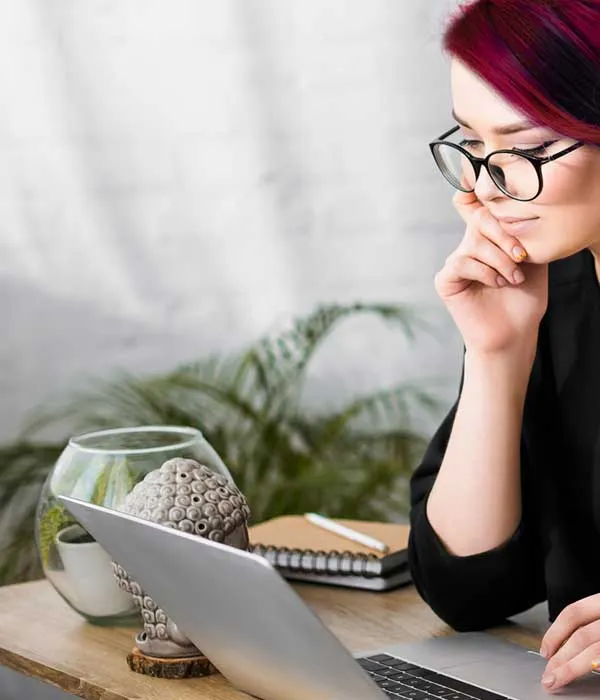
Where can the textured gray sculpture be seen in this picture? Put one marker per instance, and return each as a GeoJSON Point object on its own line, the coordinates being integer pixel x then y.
{"type": "Point", "coordinates": [189, 496]}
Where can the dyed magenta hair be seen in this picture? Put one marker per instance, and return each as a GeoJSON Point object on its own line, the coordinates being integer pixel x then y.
{"type": "Point", "coordinates": [542, 56]}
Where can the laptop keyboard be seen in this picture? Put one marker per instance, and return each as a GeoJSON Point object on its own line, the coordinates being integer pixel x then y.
{"type": "Point", "coordinates": [405, 681]}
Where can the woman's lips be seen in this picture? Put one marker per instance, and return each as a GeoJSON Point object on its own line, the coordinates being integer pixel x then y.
{"type": "Point", "coordinates": [517, 225]}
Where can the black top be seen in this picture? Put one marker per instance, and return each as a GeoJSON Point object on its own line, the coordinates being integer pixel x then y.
{"type": "Point", "coordinates": [555, 552]}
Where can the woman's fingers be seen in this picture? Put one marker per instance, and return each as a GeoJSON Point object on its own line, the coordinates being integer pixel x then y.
{"type": "Point", "coordinates": [579, 641]}
{"type": "Point", "coordinates": [572, 643]}
{"type": "Point", "coordinates": [466, 204]}
{"type": "Point", "coordinates": [576, 615]}
{"type": "Point", "coordinates": [477, 259]}
{"type": "Point", "coordinates": [484, 250]}
{"type": "Point", "coordinates": [461, 270]}
{"type": "Point", "coordinates": [485, 224]}
{"type": "Point", "coordinates": [487, 254]}
{"type": "Point", "coordinates": [579, 665]}
{"type": "Point", "coordinates": [478, 218]}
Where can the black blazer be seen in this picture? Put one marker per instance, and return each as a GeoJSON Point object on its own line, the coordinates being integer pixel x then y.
{"type": "Point", "coordinates": [555, 553]}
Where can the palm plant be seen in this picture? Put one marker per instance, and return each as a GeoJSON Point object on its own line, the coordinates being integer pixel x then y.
{"type": "Point", "coordinates": [351, 462]}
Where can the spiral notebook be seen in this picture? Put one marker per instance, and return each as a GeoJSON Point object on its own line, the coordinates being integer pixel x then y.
{"type": "Point", "coordinates": [303, 551]}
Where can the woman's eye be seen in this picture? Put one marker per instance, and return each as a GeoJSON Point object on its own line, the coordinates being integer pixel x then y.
{"type": "Point", "coordinates": [470, 144]}
{"type": "Point", "coordinates": [537, 150]}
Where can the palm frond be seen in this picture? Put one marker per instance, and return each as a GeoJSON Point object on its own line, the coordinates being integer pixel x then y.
{"type": "Point", "coordinates": [278, 362]}
{"type": "Point", "coordinates": [395, 406]}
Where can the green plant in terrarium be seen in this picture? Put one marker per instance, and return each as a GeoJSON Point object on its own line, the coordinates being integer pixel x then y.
{"type": "Point", "coordinates": [354, 461]}
{"type": "Point", "coordinates": [55, 519]}
{"type": "Point", "coordinates": [96, 484]}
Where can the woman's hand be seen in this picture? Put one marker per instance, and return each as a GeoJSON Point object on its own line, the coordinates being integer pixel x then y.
{"type": "Point", "coordinates": [496, 299]}
{"type": "Point", "coordinates": [572, 643]}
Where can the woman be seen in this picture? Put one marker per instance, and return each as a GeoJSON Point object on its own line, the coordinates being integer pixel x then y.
{"type": "Point", "coordinates": [506, 502]}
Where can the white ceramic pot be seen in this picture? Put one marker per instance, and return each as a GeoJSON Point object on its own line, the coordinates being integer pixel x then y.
{"type": "Point", "coordinates": [88, 575]}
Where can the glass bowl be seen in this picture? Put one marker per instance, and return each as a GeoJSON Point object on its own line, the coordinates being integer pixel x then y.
{"type": "Point", "coordinates": [103, 467]}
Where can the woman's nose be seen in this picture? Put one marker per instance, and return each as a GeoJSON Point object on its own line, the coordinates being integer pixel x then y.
{"type": "Point", "coordinates": [485, 188]}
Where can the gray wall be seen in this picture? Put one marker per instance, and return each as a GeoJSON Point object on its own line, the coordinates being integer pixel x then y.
{"type": "Point", "coordinates": [179, 176]}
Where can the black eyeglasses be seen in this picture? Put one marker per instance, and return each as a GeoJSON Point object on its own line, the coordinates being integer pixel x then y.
{"type": "Point", "coordinates": [516, 173]}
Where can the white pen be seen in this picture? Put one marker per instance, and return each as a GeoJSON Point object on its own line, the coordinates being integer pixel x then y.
{"type": "Point", "coordinates": [348, 533]}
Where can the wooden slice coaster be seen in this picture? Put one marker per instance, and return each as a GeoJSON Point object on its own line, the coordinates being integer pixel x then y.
{"type": "Point", "coordinates": [186, 667]}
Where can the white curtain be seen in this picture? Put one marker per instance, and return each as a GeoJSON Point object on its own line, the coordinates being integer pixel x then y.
{"type": "Point", "coordinates": [179, 176]}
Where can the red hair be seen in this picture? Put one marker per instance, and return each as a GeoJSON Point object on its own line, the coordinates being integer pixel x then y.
{"type": "Point", "coordinates": [542, 56]}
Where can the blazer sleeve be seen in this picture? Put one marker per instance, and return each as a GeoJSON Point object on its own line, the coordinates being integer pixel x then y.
{"type": "Point", "coordinates": [479, 591]}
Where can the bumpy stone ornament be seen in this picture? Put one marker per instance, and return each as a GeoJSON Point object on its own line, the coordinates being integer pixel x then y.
{"type": "Point", "coordinates": [189, 496]}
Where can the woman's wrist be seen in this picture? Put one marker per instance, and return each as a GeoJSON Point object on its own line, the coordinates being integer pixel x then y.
{"type": "Point", "coordinates": [509, 369]}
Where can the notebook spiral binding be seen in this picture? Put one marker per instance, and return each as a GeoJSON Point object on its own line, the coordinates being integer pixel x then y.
{"type": "Point", "coordinates": [320, 562]}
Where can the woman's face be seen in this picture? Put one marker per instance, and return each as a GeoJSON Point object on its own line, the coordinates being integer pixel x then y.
{"type": "Point", "coordinates": [565, 217]}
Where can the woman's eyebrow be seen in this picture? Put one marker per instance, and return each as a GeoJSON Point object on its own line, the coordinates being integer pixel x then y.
{"type": "Point", "coordinates": [504, 130]}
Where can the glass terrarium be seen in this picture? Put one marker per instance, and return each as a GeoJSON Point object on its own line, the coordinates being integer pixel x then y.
{"type": "Point", "coordinates": [103, 467]}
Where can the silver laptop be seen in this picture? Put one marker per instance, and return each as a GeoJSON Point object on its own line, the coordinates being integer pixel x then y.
{"type": "Point", "coordinates": [267, 642]}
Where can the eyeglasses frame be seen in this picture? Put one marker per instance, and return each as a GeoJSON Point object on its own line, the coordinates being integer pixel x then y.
{"type": "Point", "coordinates": [478, 163]}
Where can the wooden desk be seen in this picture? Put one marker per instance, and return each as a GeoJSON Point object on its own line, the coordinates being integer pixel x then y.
{"type": "Point", "coordinates": [42, 637]}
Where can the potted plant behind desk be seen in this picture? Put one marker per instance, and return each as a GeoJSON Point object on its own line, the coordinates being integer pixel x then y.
{"type": "Point", "coordinates": [353, 461]}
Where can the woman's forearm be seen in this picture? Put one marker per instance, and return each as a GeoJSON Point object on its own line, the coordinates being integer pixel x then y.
{"type": "Point", "coordinates": [475, 502]}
